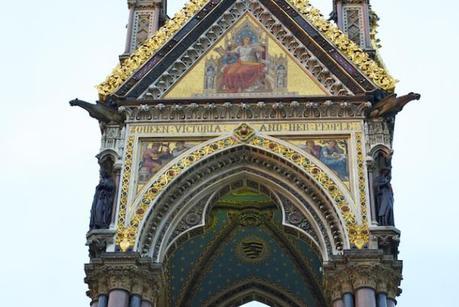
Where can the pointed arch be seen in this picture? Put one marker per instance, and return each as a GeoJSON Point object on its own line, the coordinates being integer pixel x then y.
{"type": "Point", "coordinates": [228, 162]}
{"type": "Point", "coordinates": [328, 186]}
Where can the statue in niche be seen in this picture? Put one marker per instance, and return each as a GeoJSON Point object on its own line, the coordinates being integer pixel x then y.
{"type": "Point", "coordinates": [101, 210]}
{"type": "Point", "coordinates": [384, 197]}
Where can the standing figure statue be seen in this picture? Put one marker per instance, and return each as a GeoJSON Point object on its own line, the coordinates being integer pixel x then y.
{"type": "Point", "coordinates": [101, 210]}
{"type": "Point", "coordinates": [384, 198]}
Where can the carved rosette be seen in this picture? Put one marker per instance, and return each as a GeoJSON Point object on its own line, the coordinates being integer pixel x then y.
{"type": "Point", "coordinates": [126, 272]}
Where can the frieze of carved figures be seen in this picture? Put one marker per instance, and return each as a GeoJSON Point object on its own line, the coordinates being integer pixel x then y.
{"type": "Point", "coordinates": [231, 16]}
{"type": "Point", "coordinates": [282, 109]}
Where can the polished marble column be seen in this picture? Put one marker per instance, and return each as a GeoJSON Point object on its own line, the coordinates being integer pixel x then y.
{"type": "Point", "coordinates": [118, 298]}
{"type": "Point", "coordinates": [348, 300]}
{"type": "Point", "coordinates": [103, 301]}
{"type": "Point", "coordinates": [365, 297]}
{"type": "Point", "coordinates": [146, 304]}
{"type": "Point", "coordinates": [381, 299]}
{"type": "Point", "coordinates": [136, 301]}
{"type": "Point", "coordinates": [391, 302]}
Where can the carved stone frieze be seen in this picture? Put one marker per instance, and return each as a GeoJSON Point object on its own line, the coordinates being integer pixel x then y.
{"type": "Point", "coordinates": [124, 271]}
{"type": "Point", "coordinates": [211, 111]}
{"type": "Point", "coordinates": [228, 19]}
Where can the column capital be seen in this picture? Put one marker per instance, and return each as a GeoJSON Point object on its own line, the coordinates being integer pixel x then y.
{"type": "Point", "coordinates": [363, 269]}
{"type": "Point", "coordinates": [124, 271]}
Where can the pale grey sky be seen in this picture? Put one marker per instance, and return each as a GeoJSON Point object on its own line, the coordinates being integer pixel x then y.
{"type": "Point", "coordinates": [53, 51]}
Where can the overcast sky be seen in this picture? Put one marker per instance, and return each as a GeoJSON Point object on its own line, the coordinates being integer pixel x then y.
{"type": "Point", "coordinates": [53, 51]}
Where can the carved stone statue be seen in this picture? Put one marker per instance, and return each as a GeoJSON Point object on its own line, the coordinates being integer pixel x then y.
{"type": "Point", "coordinates": [101, 210]}
{"type": "Point", "coordinates": [384, 198]}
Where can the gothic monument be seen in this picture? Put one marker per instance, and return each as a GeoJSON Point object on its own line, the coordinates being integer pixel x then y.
{"type": "Point", "coordinates": [246, 156]}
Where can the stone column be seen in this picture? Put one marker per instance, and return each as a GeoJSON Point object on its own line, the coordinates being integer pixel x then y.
{"type": "Point", "coordinates": [371, 169]}
{"type": "Point", "coordinates": [391, 303]}
{"type": "Point", "coordinates": [156, 14]}
{"type": "Point", "coordinates": [348, 300]}
{"type": "Point", "coordinates": [381, 300]}
{"type": "Point", "coordinates": [118, 298]}
{"type": "Point", "coordinates": [103, 301]}
{"type": "Point", "coordinates": [94, 304]}
{"type": "Point", "coordinates": [365, 297]}
{"type": "Point", "coordinates": [338, 303]}
{"type": "Point", "coordinates": [136, 301]}
{"type": "Point", "coordinates": [146, 304]}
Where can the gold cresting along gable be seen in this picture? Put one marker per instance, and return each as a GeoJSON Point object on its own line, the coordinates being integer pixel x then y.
{"type": "Point", "coordinates": [359, 57]}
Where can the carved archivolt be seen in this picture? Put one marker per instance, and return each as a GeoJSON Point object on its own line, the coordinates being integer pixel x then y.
{"type": "Point", "coordinates": [283, 36]}
{"type": "Point", "coordinates": [205, 184]}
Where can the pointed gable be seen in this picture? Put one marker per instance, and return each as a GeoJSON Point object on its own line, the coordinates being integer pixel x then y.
{"type": "Point", "coordinates": [307, 42]}
{"type": "Point", "coordinates": [265, 67]}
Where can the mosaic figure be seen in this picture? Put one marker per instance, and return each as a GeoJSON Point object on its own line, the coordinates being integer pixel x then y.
{"type": "Point", "coordinates": [244, 65]}
{"type": "Point", "coordinates": [334, 158]}
{"type": "Point", "coordinates": [157, 154]}
{"type": "Point", "coordinates": [332, 153]}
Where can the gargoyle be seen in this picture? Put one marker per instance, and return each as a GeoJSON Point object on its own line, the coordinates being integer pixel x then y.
{"type": "Point", "coordinates": [391, 105]}
{"type": "Point", "coordinates": [98, 111]}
